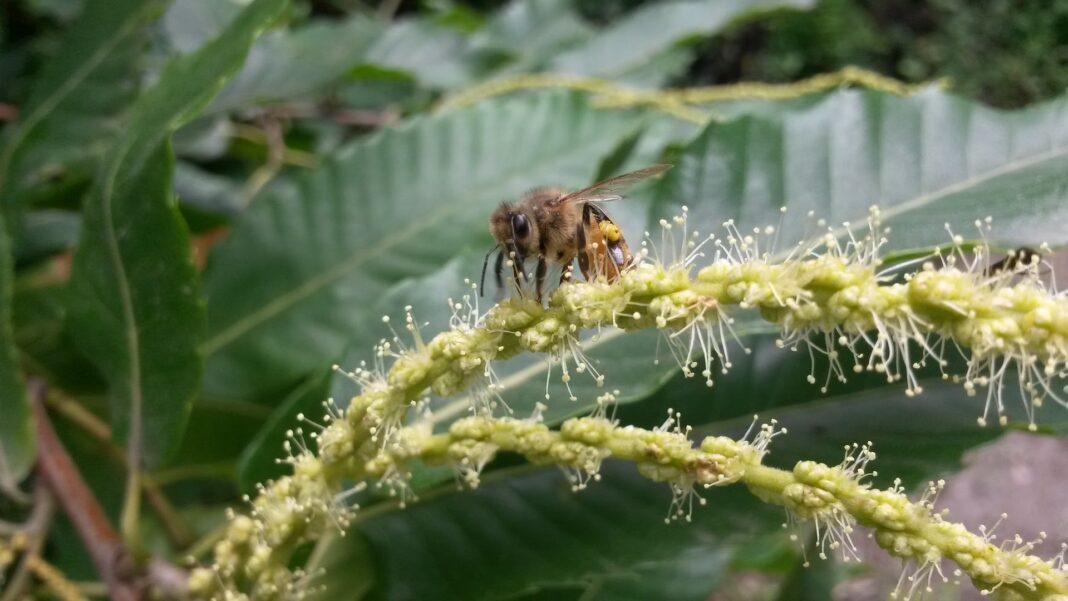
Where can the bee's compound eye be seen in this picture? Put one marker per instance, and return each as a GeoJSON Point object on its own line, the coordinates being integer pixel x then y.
{"type": "Point", "coordinates": [520, 226]}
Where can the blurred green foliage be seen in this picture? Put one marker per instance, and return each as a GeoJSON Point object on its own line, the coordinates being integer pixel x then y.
{"type": "Point", "coordinates": [1007, 53]}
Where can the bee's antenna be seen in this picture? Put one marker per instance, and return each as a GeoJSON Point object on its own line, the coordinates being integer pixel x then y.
{"type": "Point", "coordinates": [485, 263]}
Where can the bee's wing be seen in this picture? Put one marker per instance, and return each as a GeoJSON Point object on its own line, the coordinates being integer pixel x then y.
{"type": "Point", "coordinates": [609, 189]}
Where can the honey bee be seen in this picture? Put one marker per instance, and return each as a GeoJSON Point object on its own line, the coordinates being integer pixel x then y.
{"type": "Point", "coordinates": [557, 227]}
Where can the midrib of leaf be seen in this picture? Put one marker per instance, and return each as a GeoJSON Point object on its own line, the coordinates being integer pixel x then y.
{"type": "Point", "coordinates": [315, 284]}
{"type": "Point", "coordinates": [133, 341]}
{"type": "Point", "coordinates": [928, 198]}
{"type": "Point", "coordinates": [961, 186]}
{"type": "Point", "coordinates": [64, 90]}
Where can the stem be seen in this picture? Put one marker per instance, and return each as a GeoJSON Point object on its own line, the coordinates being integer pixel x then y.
{"type": "Point", "coordinates": [832, 496]}
{"type": "Point", "coordinates": [63, 589]}
{"type": "Point", "coordinates": [36, 529]}
{"type": "Point", "coordinates": [177, 530]}
{"type": "Point", "coordinates": [106, 549]}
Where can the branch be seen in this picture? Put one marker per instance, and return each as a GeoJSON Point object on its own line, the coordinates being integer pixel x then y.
{"type": "Point", "coordinates": [177, 530]}
{"type": "Point", "coordinates": [35, 529]}
{"type": "Point", "coordinates": [109, 555]}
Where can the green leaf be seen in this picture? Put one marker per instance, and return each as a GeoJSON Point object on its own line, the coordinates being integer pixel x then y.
{"type": "Point", "coordinates": [77, 100]}
{"type": "Point", "coordinates": [291, 64]}
{"type": "Point", "coordinates": [39, 316]}
{"type": "Point", "coordinates": [553, 537]}
{"type": "Point", "coordinates": [399, 204]}
{"type": "Point", "coordinates": [647, 32]}
{"type": "Point", "coordinates": [17, 441]}
{"type": "Point", "coordinates": [135, 309]}
{"type": "Point", "coordinates": [137, 312]}
{"type": "Point", "coordinates": [926, 160]}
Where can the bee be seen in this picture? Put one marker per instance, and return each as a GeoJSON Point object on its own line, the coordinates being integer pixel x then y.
{"type": "Point", "coordinates": [557, 227]}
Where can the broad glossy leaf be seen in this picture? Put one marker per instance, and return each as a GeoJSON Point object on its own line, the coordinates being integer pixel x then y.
{"type": "Point", "coordinates": [79, 96]}
{"type": "Point", "coordinates": [137, 312]}
{"type": "Point", "coordinates": [304, 264]}
{"type": "Point", "coordinates": [289, 65]}
{"type": "Point", "coordinates": [17, 442]}
{"type": "Point", "coordinates": [647, 32]}
{"type": "Point", "coordinates": [553, 536]}
{"type": "Point", "coordinates": [926, 160]}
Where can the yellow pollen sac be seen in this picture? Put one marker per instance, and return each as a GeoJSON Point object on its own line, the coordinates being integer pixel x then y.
{"type": "Point", "coordinates": [610, 231]}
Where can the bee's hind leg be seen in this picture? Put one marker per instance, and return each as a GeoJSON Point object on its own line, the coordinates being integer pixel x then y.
{"type": "Point", "coordinates": [580, 249]}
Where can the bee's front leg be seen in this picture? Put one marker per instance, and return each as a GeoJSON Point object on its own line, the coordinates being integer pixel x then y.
{"type": "Point", "coordinates": [539, 276]}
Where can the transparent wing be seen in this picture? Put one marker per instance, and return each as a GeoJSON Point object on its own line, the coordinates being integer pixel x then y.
{"type": "Point", "coordinates": [610, 188]}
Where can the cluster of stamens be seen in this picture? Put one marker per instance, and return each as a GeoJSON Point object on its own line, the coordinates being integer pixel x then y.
{"type": "Point", "coordinates": [835, 299]}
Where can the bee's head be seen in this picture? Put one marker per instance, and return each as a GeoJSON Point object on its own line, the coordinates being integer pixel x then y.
{"type": "Point", "coordinates": [514, 230]}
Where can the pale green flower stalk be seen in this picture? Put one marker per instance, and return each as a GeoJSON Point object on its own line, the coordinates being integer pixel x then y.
{"type": "Point", "coordinates": [825, 301]}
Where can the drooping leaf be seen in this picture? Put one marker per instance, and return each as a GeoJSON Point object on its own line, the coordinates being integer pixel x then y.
{"type": "Point", "coordinates": [138, 313]}
{"type": "Point", "coordinates": [397, 205]}
{"type": "Point", "coordinates": [649, 31]}
{"type": "Point", "coordinates": [17, 441]}
{"type": "Point", "coordinates": [76, 102]}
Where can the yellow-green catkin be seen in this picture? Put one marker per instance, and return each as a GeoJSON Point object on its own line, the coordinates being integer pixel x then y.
{"type": "Point", "coordinates": [827, 296]}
